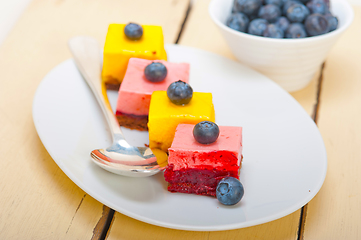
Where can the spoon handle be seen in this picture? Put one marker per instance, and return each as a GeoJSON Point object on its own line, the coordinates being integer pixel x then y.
{"type": "Point", "coordinates": [87, 57]}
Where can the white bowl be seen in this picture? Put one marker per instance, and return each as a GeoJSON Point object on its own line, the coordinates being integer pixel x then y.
{"type": "Point", "coordinates": [291, 63]}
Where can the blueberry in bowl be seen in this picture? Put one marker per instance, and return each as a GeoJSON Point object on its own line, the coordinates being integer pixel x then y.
{"type": "Point", "coordinates": [332, 21]}
{"type": "Point", "coordinates": [283, 23]}
{"type": "Point", "coordinates": [248, 7]}
{"type": "Point", "coordinates": [316, 24]}
{"type": "Point", "coordinates": [273, 31]}
{"type": "Point", "coordinates": [296, 30]}
{"type": "Point", "coordinates": [287, 4]}
{"type": "Point", "coordinates": [269, 12]}
{"type": "Point", "coordinates": [257, 26]}
{"type": "Point", "coordinates": [254, 16]}
{"type": "Point", "coordinates": [238, 21]}
{"type": "Point", "coordinates": [317, 6]}
{"type": "Point", "coordinates": [278, 3]}
{"type": "Point", "coordinates": [297, 13]}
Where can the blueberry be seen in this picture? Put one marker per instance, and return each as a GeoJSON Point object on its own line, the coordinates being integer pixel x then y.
{"type": "Point", "coordinates": [296, 30]}
{"type": "Point", "coordinates": [316, 24]}
{"type": "Point", "coordinates": [247, 7]}
{"type": "Point", "coordinates": [273, 31]}
{"type": "Point", "coordinates": [283, 23]}
{"type": "Point", "coordinates": [206, 132]}
{"type": "Point", "coordinates": [297, 13]}
{"type": "Point", "coordinates": [327, 2]}
{"type": "Point", "coordinates": [180, 92]}
{"type": "Point", "coordinates": [278, 3]}
{"type": "Point", "coordinates": [234, 9]}
{"type": "Point", "coordinates": [257, 26]}
{"type": "Point", "coordinates": [288, 4]}
{"type": "Point", "coordinates": [238, 22]}
{"type": "Point", "coordinates": [229, 191]}
{"type": "Point", "coordinates": [317, 6]}
{"type": "Point", "coordinates": [269, 12]}
{"type": "Point", "coordinates": [133, 31]}
{"type": "Point", "coordinates": [332, 21]}
{"type": "Point", "coordinates": [304, 1]}
{"type": "Point", "coordinates": [155, 72]}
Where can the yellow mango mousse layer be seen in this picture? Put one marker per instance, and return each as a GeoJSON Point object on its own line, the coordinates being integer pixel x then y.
{"type": "Point", "coordinates": [118, 49]}
{"type": "Point", "coordinates": [164, 116]}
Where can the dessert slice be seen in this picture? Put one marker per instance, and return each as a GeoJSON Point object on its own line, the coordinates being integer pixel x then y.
{"type": "Point", "coordinates": [164, 116]}
{"type": "Point", "coordinates": [197, 168]}
{"type": "Point", "coordinates": [136, 90]}
{"type": "Point", "coordinates": [119, 48]}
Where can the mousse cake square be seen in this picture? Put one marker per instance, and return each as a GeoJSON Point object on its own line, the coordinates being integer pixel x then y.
{"type": "Point", "coordinates": [197, 168]}
{"type": "Point", "coordinates": [118, 49]}
{"type": "Point", "coordinates": [164, 116]}
{"type": "Point", "coordinates": [135, 91]}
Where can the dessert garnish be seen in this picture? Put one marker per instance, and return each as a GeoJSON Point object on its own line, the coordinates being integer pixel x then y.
{"type": "Point", "coordinates": [180, 93]}
{"type": "Point", "coordinates": [206, 132]}
{"type": "Point", "coordinates": [133, 31]}
{"type": "Point", "coordinates": [229, 191]}
{"type": "Point", "coordinates": [155, 72]}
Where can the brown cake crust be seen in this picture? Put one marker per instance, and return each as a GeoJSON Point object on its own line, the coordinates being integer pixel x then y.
{"type": "Point", "coordinates": [137, 122]}
{"type": "Point", "coordinates": [111, 86]}
{"type": "Point", "coordinates": [111, 83]}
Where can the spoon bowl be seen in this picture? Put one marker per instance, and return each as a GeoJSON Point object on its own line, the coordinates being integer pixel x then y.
{"type": "Point", "coordinates": [120, 158]}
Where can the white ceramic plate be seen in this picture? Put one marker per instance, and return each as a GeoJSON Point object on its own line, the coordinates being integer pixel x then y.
{"type": "Point", "coordinates": [284, 163]}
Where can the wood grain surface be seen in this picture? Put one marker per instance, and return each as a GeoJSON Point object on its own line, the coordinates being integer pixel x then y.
{"type": "Point", "coordinates": [38, 201]}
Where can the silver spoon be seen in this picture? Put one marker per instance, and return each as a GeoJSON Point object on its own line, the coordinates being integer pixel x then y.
{"type": "Point", "coordinates": [120, 158]}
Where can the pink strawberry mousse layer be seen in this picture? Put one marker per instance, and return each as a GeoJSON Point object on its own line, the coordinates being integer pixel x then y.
{"type": "Point", "coordinates": [224, 154]}
{"type": "Point", "coordinates": [135, 90]}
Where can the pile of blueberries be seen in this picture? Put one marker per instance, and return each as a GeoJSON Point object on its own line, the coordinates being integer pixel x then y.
{"type": "Point", "coordinates": [282, 18]}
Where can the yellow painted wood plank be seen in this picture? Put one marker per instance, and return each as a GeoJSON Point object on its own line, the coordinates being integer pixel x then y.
{"type": "Point", "coordinates": [38, 201]}
{"type": "Point", "coordinates": [335, 212]}
{"type": "Point", "coordinates": [128, 228]}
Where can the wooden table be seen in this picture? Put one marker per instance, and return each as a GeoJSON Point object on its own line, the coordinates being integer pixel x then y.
{"type": "Point", "coordinates": [38, 201]}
